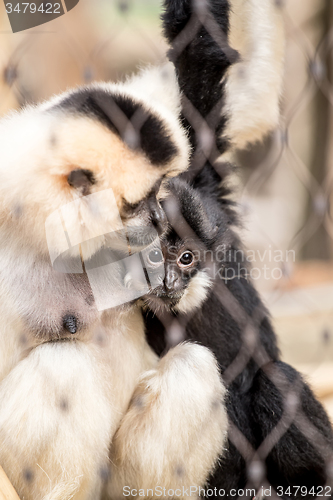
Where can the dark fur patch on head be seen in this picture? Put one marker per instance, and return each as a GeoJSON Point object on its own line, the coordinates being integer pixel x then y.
{"type": "Point", "coordinates": [202, 214]}
{"type": "Point", "coordinates": [138, 127]}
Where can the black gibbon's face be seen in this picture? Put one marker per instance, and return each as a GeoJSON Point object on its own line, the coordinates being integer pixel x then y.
{"type": "Point", "coordinates": [192, 261]}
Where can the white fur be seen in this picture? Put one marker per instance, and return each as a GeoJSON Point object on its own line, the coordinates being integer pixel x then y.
{"type": "Point", "coordinates": [40, 146]}
{"type": "Point", "coordinates": [195, 293]}
{"type": "Point", "coordinates": [61, 405]}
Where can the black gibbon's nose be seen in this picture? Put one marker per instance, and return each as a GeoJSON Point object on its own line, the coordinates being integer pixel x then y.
{"type": "Point", "coordinates": [170, 280]}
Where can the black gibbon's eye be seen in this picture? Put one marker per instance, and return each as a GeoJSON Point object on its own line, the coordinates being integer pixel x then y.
{"type": "Point", "coordinates": [186, 259]}
{"type": "Point", "coordinates": [155, 256]}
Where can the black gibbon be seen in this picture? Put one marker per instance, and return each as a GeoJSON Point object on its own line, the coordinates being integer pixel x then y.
{"type": "Point", "coordinates": [201, 267]}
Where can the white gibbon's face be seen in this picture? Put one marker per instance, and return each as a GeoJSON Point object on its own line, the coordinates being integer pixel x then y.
{"type": "Point", "coordinates": [80, 177]}
{"type": "Point", "coordinates": [96, 140]}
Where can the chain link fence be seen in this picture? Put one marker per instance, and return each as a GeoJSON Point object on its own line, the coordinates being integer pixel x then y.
{"type": "Point", "coordinates": [284, 186]}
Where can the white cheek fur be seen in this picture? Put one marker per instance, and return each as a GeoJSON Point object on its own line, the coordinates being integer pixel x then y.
{"type": "Point", "coordinates": [195, 293]}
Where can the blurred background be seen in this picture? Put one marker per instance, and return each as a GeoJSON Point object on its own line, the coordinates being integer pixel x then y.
{"type": "Point", "coordinates": [284, 184]}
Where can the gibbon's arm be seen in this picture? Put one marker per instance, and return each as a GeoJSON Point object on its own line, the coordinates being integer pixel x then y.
{"type": "Point", "coordinates": [55, 424]}
{"type": "Point", "coordinates": [254, 84]}
{"type": "Point", "coordinates": [229, 58]}
{"type": "Point", "coordinates": [174, 430]}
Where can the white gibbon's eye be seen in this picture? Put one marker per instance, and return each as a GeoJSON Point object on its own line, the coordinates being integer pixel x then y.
{"type": "Point", "coordinates": [186, 259]}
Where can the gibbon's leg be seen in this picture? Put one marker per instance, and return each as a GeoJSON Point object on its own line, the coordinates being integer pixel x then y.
{"type": "Point", "coordinates": [201, 62]}
{"type": "Point", "coordinates": [174, 430]}
{"type": "Point", "coordinates": [55, 424]}
{"type": "Point", "coordinates": [296, 459]}
{"type": "Point", "coordinates": [60, 407]}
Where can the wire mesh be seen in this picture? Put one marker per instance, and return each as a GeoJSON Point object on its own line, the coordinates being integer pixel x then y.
{"type": "Point", "coordinates": [285, 191]}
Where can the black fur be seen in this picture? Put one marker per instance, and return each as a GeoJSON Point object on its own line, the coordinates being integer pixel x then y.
{"type": "Point", "coordinates": [295, 459]}
{"type": "Point", "coordinates": [201, 55]}
{"type": "Point", "coordinates": [115, 112]}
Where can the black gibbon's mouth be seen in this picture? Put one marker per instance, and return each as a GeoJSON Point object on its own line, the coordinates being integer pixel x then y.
{"type": "Point", "coordinates": [158, 300]}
